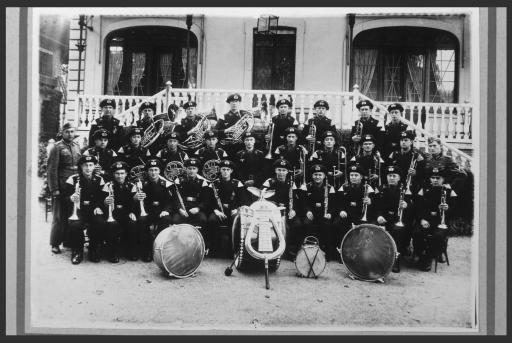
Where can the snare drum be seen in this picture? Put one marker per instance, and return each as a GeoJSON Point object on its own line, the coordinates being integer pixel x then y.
{"type": "Point", "coordinates": [310, 260]}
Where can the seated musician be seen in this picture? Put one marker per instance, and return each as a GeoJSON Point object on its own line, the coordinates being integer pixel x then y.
{"type": "Point", "coordinates": [156, 194]}
{"type": "Point", "coordinates": [133, 153]}
{"type": "Point", "coordinates": [317, 221]}
{"type": "Point", "coordinates": [109, 123]}
{"type": "Point", "coordinates": [172, 152]}
{"type": "Point", "coordinates": [352, 198]}
{"type": "Point", "coordinates": [210, 151]}
{"type": "Point", "coordinates": [281, 183]}
{"type": "Point", "coordinates": [234, 114]}
{"type": "Point", "coordinates": [393, 129]}
{"type": "Point", "coordinates": [104, 155]}
{"type": "Point", "coordinates": [192, 193]}
{"type": "Point", "coordinates": [250, 162]}
{"type": "Point", "coordinates": [366, 125]}
{"type": "Point", "coordinates": [87, 197]}
{"type": "Point", "coordinates": [433, 210]}
{"type": "Point", "coordinates": [392, 199]}
{"type": "Point", "coordinates": [332, 158]}
{"type": "Point", "coordinates": [292, 152]}
{"type": "Point", "coordinates": [228, 196]}
{"type": "Point", "coordinates": [119, 195]}
{"type": "Point", "coordinates": [282, 121]}
{"type": "Point", "coordinates": [370, 161]}
{"type": "Point", "coordinates": [322, 124]}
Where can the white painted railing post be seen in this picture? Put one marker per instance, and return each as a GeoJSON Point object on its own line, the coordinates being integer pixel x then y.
{"type": "Point", "coordinates": [355, 100]}
{"type": "Point", "coordinates": [168, 86]}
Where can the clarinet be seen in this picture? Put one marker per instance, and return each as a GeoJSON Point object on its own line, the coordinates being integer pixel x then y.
{"type": "Point", "coordinates": [216, 195]}
{"type": "Point", "coordinates": [326, 198]}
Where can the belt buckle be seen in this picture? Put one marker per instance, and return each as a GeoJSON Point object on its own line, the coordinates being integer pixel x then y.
{"type": "Point", "coordinates": [353, 204]}
{"type": "Point", "coordinates": [433, 214]}
{"type": "Point", "coordinates": [190, 198]}
{"type": "Point", "coordinates": [119, 206]}
{"type": "Point", "coordinates": [156, 203]}
{"type": "Point", "coordinates": [318, 204]}
{"type": "Point", "coordinates": [86, 202]}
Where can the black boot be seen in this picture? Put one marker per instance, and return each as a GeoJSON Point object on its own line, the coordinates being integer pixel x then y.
{"type": "Point", "coordinates": [147, 255]}
{"type": "Point", "coordinates": [77, 256]}
{"type": "Point", "coordinates": [396, 266]}
{"type": "Point", "coordinates": [114, 254]}
{"type": "Point", "coordinates": [94, 253]}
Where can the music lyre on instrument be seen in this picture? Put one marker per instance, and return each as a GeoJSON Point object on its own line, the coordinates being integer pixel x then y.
{"type": "Point", "coordinates": [76, 205]}
{"type": "Point", "coordinates": [365, 206]}
{"type": "Point", "coordinates": [359, 132]}
{"type": "Point", "coordinates": [110, 218]}
{"type": "Point", "coordinates": [443, 225]}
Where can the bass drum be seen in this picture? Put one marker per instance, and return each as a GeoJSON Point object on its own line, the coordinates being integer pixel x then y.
{"type": "Point", "coordinates": [179, 250]}
{"type": "Point", "coordinates": [368, 252]}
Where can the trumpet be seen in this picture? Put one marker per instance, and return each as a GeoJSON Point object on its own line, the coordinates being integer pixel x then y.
{"type": "Point", "coordinates": [312, 133]}
{"type": "Point", "coordinates": [143, 212]}
{"type": "Point", "coordinates": [409, 174]}
{"type": "Point", "coordinates": [365, 206]}
{"type": "Point", "coordinates": [359, 132]}
{"type": "Point", "coordinates": [400, 209]}
{"type": "Point", "coordinates": [270, 132]}
{"type": "Point", "coordinates": [110, 218]}
{"type": "Point", "coordinates": [443, 225]}
{"type": "Point", "coordinates": [76, 205]}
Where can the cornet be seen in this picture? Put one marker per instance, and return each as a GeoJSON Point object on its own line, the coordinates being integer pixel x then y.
{"type": "Point", "coordinates": [143, 212]}
{"type": "Point", "coordinates": [443, 225]}
{"type": "Point", "coordinates": [76, 205]}
{"type": "Point", "coordinates": [110, 218]}
{"type": "Point", "coordinates": [365, 206]}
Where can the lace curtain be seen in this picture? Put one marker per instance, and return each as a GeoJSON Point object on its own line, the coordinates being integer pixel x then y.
{"type": "Point", "coordinates": [166, 67]}
{"type": "Point", "coordinates": [138, 66]}
{"type": "Point", "coordinates": [193, 65]}
{"type": "Point", "coordinates": [415, 85]}
{"type": "Point", "coordinates": [115, 66]}
{"type": "Point", "coordinates": [365, 63]}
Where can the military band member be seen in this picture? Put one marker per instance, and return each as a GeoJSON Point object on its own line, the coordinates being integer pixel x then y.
{"type": "Point", "coordinates": [133, 153]}
{"type": "Point", "coordinates": [250, 162]}
{"type": "Point", "coordinates": [190, 120]}
{"type": "Point", "coordinates": [370, 161]}
{"type": "Point", "coordinates": [88, 199]}
{"type": "Point", "coordinates": [172, 152]}
{"type": "Point", "coordinates": [228, 196]}
{"type": "Point", "coordinates": [432, 212]}
{"type": "Point", "coordinates": [321, 122]}
{"type": "Point", "coordinates": [351, 200]}
{"type": "Point", "coordinates": [62, 163]}
{"type": "Point", "coordinates": [366, 125]}
{"type": "Point", "coordinates": [234, 114]}
{"type": "Point", "coordinates": [282, 121]}
{"type": "Point", "coordinates": [104, 155]}
{"type": "Point", "coordinates": [156, 194]}
{"type": "Point", "coordinates": [109, 123]}
{"type": "Point", "coordinates": [118, 195]}
{"type": "Point", "coordinates": [292, 151]}
{"type": "Point", "coordinates": [331, 158]}
{"type": "Point", "coordinates": [317, 221]}
{"type": "Point", "coordinates": [393, 129]}
{"type": "Point", "coordinates": [392, 199]}
{"type": "Point", "coordinates": [146, 112]}
{"type": "Point", "coordinates": [210, 151]}
{"type": "Point", "coordinates": [190, 202]}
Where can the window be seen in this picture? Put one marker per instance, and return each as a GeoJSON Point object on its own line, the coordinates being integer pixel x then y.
{"type": "Point", "coordinates": [45, 62]}
{"type": "Point", "coordinates": [140, 60]}
{"type": "Point", "coordinates": [406, 64]}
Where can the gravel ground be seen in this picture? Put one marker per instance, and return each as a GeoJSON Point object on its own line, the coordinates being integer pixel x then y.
{"type": "Point", "coordinates": [138, 295]}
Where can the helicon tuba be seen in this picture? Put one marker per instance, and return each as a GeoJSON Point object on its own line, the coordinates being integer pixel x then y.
{"type": "Point", "coordinates": [195, 135]}
{"type": "Point", "coordinates": [152, 133]}
{"type": "Point", "coordinates": [235, 132]}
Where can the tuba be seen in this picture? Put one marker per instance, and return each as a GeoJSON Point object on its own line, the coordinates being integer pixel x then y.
{"type": "Point", "coordinates": [152, 133]}
{"type": "Point", "coordinates": [174, 169]}
{"type": "Point", "coordinates": [235, 132]}
{"type": "Point", "coordinates": [196, 134]}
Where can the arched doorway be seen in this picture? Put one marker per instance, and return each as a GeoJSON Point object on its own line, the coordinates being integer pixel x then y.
{"type": "Point", "coordinates": [408, 64]}
{"type": "Point", "coordinates": [139, 60]}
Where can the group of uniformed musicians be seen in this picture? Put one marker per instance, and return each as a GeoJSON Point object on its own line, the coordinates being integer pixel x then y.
{"type": "Point", "coordinates": [324, 187]}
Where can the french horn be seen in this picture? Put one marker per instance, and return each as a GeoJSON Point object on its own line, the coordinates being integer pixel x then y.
{"type": "Point", "coordinates": [211, 169]}
{"type": "Point", "coordinates": [173, 169]}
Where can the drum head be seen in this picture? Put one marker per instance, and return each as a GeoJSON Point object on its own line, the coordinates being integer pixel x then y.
{"type": "Point", "coordinates": [179, 250]}
{"type": "Point", "coordinates": [368, 252]}
{"type": "Point", "coordinates": [310, 261]}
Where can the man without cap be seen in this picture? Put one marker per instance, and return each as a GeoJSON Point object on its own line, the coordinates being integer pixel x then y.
{"type": "Point", "coordinates": [282, 121]}
{"type": "Point", "coordinates": [365, 125]}
{"type": "Point", "coordinates": [104, 155]}
{"type": "Point", "coordinates": [250, 162]}
{"type": "Point", "coordinates": [393, 129]}
{"type": "Point", "coordinates": [109, 123]}
{"type": "Point", "coordinates": [133, 153]}
{"type": "Point", "coordinates": [332, 158]}
{"type": "Point", "coordinates": [62, 163]}
{"type": "Point", "coordinates": [322, 124]}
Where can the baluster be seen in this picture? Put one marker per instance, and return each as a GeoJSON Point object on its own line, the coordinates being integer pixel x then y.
{"type": "Point", "coordinates": [444, 123]}
{"type": "Point", "coordinates": [335, 111]}
{"type": "Point", "coordinates": [459, 132]}
{"type": "Point", "coordinates": [467, 120]}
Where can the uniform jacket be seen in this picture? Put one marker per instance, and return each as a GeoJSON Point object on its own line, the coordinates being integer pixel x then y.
{"type": "Point", "coordinates": [350, 200]}
{"type": "Point", "coordinates": [206, 154]}
{"type": "Point", "coordinates": [106, 158]}
{"type": "Point", "coordinates": [194, 192]}
{"type": "Point", "coordinates": [392, 136]}
{"type": "Point", "coordinates": [158, 196]}
{"type": "Point", "coordinates": [370, 165]}
{"type": "Point", "coordinates": [322, 124]}
{"type": "Point", "coordinates": [428, 204]}
{"type": "Point", "coordinates": [313, 199]}
{"type": "Point", "coordinates": [62, 163]}
{"type": "Point", "coordinates": [282, 193]}
{"type": "Point", "coordinates": [123, 198]}
{"type": "Point", "coordinates": [133, 156]}
{"type": "Point", "coordinates": [166, 155]}
{"type": "Point", "coordinates": [292, 155]}
{"type": "Point", "coordinates": [113, 126]}
{"type": "Point", "coordinates": [91, 194]}
{"type": "Point", "coordinates": [403, 161]}
{"type": "Point", "coordinates": [387, 205]}
{"type": "Point", "coordinates": [250, 165]}
{"type": "Point", "coordinates": [231, 194]}
{"type": "Point", "coordinates": [281, 123]}
{"type": "Point", "coordinates": [229, 120]}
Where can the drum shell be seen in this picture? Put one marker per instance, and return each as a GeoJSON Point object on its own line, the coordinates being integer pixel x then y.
{"type": "Point", "coordinates": [368, 252]}
{"type": "Point", "coordinates": [310, 260]}
{"type": "Point", "coordinates": [179, 250]}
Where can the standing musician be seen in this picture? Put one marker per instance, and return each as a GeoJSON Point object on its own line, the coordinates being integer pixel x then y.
{"type": "Point", "coordinates": [394, 211]}
{"type": "Point", "coordinates": [190, 202]}
{"type": "Point", "coordinates": [156, 194]}
{"type": "Point", "coordinates": [393, 129]}
{"type": "Point", "coordinates": [281, 184]}
{"type": "Point", "coordinates": [84, 190]}
{"type": "Point", "coordinates": [230, 118]}
{"type": "Point", "coordinates": [282, 121]}
{"type": "Point", "coordinates": [109, 123]}
{"type": "Point", "coordinates": [210, 151]}
{"type": "Point", "coordinates": [355, 201]}
{"type": "Point", "coordinates": [190, 120]}
{"type": "Point", "coordinates": [228, 196]}
{"type": "Point", "coordinates": [172, 152]}
{"type": "Point", "coordinates": [321, 122]}
{"type": "Point", "coordinates": [370, 161]}
{"type": "Point", "coordinates": [62, 163]}
{"type": "Point", "coordinates": [250, 162]}
{"type": "Point", "coordinates": [331, 158]}
{"type": "Point", "coordinates": [292, 152]}
{"type": "Point", "coordinates": [104, 155]}
{"type": "Point", "coordinates": [433, 205]}
{"type": "Point", "coordinates": [146, 112]}
{"type": "Point", "coordinates": [119, 195]}
{"type": "Point", "coordinates": [133, 153]}
{"type": "Point", "coordinates": [365, 125]}
{"type": "Point", "coordinates": [318, 204]}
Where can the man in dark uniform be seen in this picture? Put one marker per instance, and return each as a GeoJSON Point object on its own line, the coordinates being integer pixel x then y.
{"type": "Point", "coordinates": [156, 194]}
{"type": "Point", "coordinates": [191, 198]}
{"type": "Point", "coordinates": [133, 153]}
{"type": "Point", "coordinates": [370, 161]}
{"type": "Point", "coordinates": [119, 195]}
{"type": "Point", "coordinates": [292, 152]}
{"type": "Point", "coordinates": [228, 196]}
{"type": "Point", "coordinates": [62, 163]}
{"type": "Point", "coordinates": [366, 125]}
{"type": "Point", "coordinates": [281, 122]}
{"type": "Point", "coordinates": [210, 151]}
{"type": "Point", "coordinates": [190, 121]}
{"type": "Point", "coordinates": [250, 162]}
{"type": "Point", "coordinates": [146, 113]}
{"type": "Point", "coordinates": [281, 183]}
{"type": "Point", "coordinates": [432, 212]}
{"type": "Point", "coordinates": [390, 201]}
{"type": "Point", "coordinates": [332, 158]}
{"type": "Point", "coordinates": [391, 139]}
{"type": "Point", "coordinates": [104, 155]}
{"type": "Point", "coordinates": [322, 124]}
{"type": "Point", "coordinates": [230, 118]}
{"type": "Point", "coordinates": [317, 220]}
{"type": "Point", "coordinates": [351, 201]}
{"type": "Point", "coordinates": [88, 198]}
{"type": "Point", "coordinates": [109, 123]}
{"type": "Point", "coordinates": [172, 152]}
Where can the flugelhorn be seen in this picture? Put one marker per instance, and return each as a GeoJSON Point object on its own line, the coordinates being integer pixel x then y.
{"type": "Point", "coordinates": [143, 212]}
{"type": "Point", "coordinates": [110, 218]}
{"type": "Point", "coordinates": [443, 225]}
{"type": "Point", "coordinates": [270, 132]}
{"type": "Point", "coordinates": [409, 174]}
{"type": "Point", "coordinates": [76, 205]}
{"type": "Point", "coordinates": [365, 206]}
{"type": "Point", "coordinates": [400, 209]}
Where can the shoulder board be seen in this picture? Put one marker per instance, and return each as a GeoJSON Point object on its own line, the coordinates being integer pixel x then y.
{"type": "Point", "coordinates": [113, 153]}
{"type": "Point", "coordinates": [199, 151]}
{"type": "Point", "coordinates": [158, 154]}
{"type": "Point", "coordinates": [341, 189]}
{"type": "Point", "coordinates": [167, 182]}
{"type": "Point", "coordinates": [121, 150]}
{"type": "Point", "coordinates": [421, 192]}
{"type": "Point", "coordinates": [87, 152]}
{"type": "Point", "coordinates": [331, 190]}
{"type": "Point", "coordinates": [177, 181]}
{"type": "Point", "coordinates": [315, 154]}
{"type": "Point", "coordinates": [94, 122]}
{"type": "Point", "coordinates": [370, 189]}
{"type": "Point", "coordinates": [148, 153]}
{"type": "Point", "coordinates": [353, 158]}
{"type": "Point", "coordinates": [205, 183]}
{"type": "Point", "coordinates": [278, 149]}
{"type": "Point", "coordinates": [294, 186]}
{"type": "Point", "coordinates": [224, 154]}
{"type": "Point", "coordinates": [185, 156]}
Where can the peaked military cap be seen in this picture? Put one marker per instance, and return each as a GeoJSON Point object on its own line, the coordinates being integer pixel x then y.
{"type": "Point", "coordinates": [118, 166]}
{"type": "Point", "coordinates": [290, 130]}
{"type": "Point", "coordinates": [436, 171]}
{"type": "Point", "coordinates": [136, 131]}
{"type": "Point", "coordinates": [87, 158]}
{"type": "Point", "coordinates": [368, 138]}
{"type": "Point", "coordinates": [66, 126]}
{"type": "Point", "coordinates": [107, 102]}
{"type": "Point", "coordinates": [355, 168]}
{"type": "Point", "coordinates": [210, 134]}
{"type": "Point", "coordinates": [226, 164]}
{"type": "Point", "coordinates": [395, 106]}
{"type": "Point", "coordinates": [362, 103]}
{"type": "Point", "coordinates": [321, 103]}
{"type": "Point", "coordinates": [248, 135]}
{"type": "Point", "coordinates": [100, 133]}
{"type": "Point", "coordinates": [408, 134]}
{"type": "Point", "coordinates": [393, 169]}
{"type": "Point", "coordinates": [283, 102]}
{"type": "Point", "coordinates": [317, 168]}
{"type": "Point", "coordinates": [172, 135]}
{"type": "Point", "coordinates": [192, 162]}
{"type": "Point", "coordinates": [189, 104]}
{"type": "Point", "coordinates": [147, 104]}
{"type": "Point", "coordinates": [329, 133]}
{"type": "Point", "coordinates": [234, 97]}
{"type": "Point", "coordinates": [281, 163]}
{"type": "Point", "coordinates": [153, 162]}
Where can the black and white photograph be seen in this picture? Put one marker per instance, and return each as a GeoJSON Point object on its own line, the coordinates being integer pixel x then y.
{"type": "Point", "coordinates": [254, 170]}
